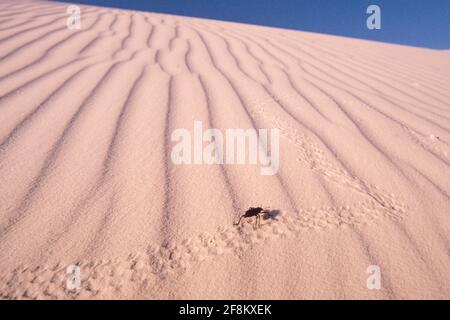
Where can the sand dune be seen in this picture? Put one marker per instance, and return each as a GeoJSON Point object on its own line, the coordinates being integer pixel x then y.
{"type": "Point", "coordinates": [87, 179]}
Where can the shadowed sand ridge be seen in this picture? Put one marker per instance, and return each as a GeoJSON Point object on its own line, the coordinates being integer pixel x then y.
{"type": "Point", "coordinates": [87, 178]}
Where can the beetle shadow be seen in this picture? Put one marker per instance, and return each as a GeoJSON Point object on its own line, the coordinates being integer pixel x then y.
{"type": "Point", "coordinates": [271, 215]}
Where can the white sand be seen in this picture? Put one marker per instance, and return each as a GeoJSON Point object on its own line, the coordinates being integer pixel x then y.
{"type": "Point", "coordinates": [86, 174]}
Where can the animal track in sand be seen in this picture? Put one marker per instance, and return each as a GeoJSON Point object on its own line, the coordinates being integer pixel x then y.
{"type": "Point", "coordinates": [109, 278]}
{"type": "Point", "coordinates": [431, 143]}
{"type": "Point", "coordinates": [312, 155]}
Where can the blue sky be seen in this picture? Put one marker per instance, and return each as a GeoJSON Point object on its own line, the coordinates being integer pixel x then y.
{"type": "Point", "coordinates": [423, 23]}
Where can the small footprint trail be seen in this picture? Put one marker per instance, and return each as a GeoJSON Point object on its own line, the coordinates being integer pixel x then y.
{"type": "Point", "coordinates": [108, 278]}
{"type": "Point", "coordinates": [430, 143]}
{"type": "Point", "coordinates": [313, 156]}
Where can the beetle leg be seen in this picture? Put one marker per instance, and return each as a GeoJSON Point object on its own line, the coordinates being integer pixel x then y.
{"type": "Point", "coordinates": [239, 221]}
